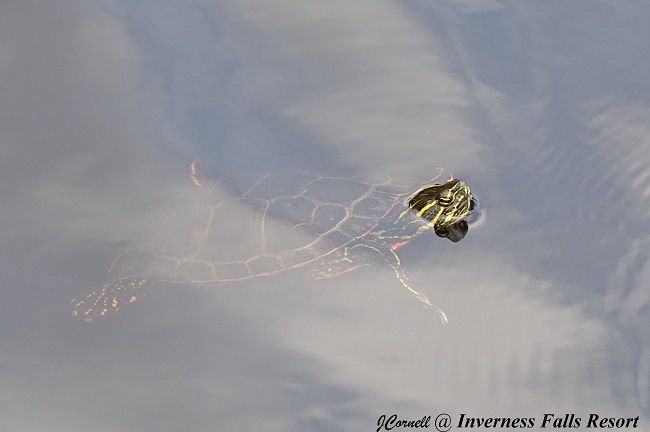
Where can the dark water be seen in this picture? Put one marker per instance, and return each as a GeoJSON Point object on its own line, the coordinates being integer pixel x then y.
{"type": "Point", "coordinates": [542, 108]}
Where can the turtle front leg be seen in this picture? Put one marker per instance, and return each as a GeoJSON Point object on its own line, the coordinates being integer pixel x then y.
{"type": "Point", "coordinates": [350, 258]}
{"type": "Point", "coordinates": [394, 261]}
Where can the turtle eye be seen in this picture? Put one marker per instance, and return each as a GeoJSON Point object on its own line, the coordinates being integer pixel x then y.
{"type": "Point", "coordinates": [445, 201]}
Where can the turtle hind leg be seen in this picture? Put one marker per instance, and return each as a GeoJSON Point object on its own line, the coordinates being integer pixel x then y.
{"type": "Point", "coordinates": [395, 264]}
{"type": "Point", "coordinates": [110, 298]}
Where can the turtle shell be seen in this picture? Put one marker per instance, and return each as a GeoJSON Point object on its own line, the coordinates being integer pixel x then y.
{"type": "Point", "coordinates": [261, 224]}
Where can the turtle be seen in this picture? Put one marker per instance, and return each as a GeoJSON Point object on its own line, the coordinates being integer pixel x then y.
{"type": "Point", "coordinates": [265, 223]}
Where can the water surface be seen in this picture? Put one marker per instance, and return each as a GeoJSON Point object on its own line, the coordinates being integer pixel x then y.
{"type": "Point", "coordinates": [542, 109]}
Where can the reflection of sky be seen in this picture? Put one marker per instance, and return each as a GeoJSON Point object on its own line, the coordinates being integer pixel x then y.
{"type": "Point", "coordinates": [544, 110]}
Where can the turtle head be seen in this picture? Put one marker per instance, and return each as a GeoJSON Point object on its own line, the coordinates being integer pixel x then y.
{"type": "Point", "coordinates": [443, 205]}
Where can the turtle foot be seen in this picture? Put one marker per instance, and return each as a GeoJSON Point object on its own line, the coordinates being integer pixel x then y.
{"type": "Point", "coordinates": [110, 298]}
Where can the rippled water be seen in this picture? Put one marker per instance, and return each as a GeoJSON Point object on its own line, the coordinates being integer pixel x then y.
{"type": "Point", "coordinates": [542, 108]}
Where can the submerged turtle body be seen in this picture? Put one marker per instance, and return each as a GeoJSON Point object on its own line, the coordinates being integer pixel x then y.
{"type": "Point", "coordinates": [281, 221]}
